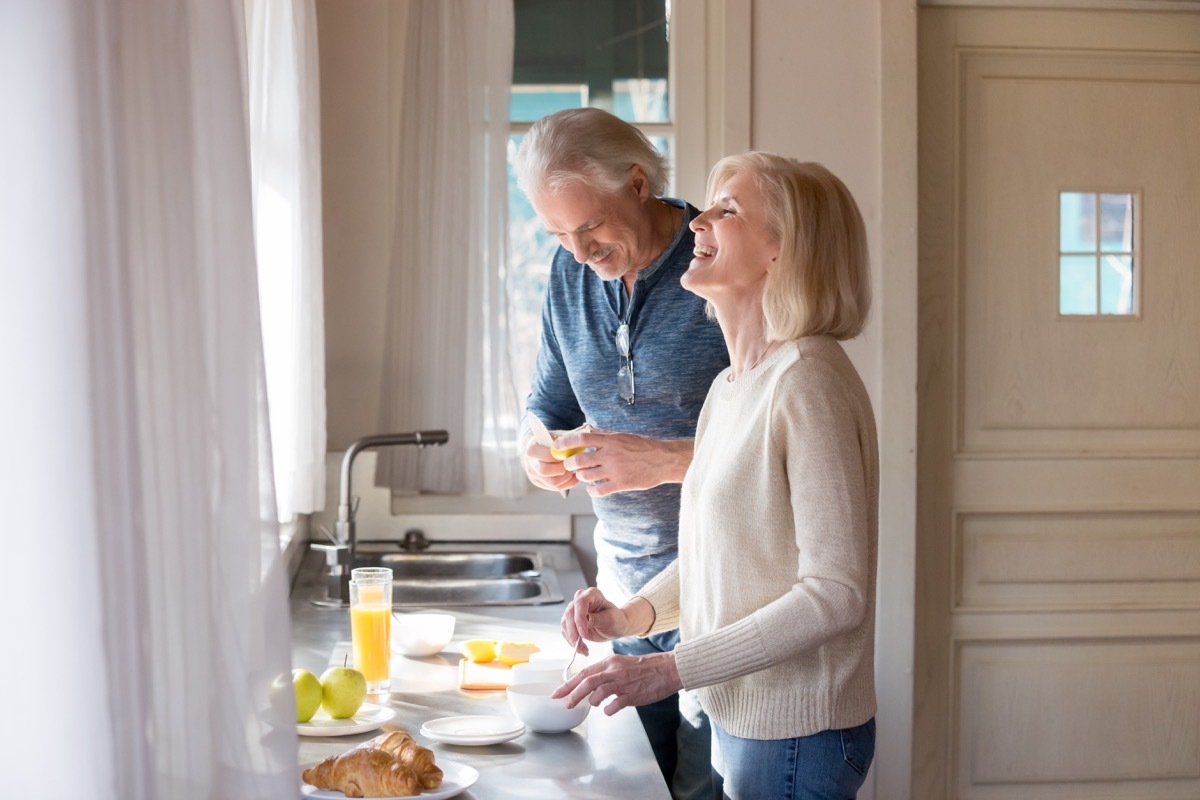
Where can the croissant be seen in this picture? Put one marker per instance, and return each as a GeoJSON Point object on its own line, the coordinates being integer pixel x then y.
{"type": "Point", "coordinates": [364, 772]}
{"type": "Point", "coordinates": [412, 755]}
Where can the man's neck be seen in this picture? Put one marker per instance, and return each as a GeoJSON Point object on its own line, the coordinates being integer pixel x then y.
{"type": "Point", "coordinates": [664, 222]}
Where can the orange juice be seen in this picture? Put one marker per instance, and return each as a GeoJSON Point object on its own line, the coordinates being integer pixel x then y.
{"type": "Point", "coordinates": [371, 634]}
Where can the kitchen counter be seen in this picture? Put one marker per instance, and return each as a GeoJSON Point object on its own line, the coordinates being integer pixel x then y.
{"type": "Point", "coordinates": [605, 757]}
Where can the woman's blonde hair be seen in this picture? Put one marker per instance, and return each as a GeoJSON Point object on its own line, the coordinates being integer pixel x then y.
{"type": "Point", "coordinates": [586, 146]}
{"type": "Point", "coordinates": [822, 282]}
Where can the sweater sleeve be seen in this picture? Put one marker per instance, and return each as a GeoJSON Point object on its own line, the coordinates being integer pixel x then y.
{"type": "Point", "coordinates": [662, 593]}
{"type": "Point", "coordinates": [815, 432]}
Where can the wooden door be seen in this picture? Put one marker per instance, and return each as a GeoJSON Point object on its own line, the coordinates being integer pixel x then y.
{"type": "Point", "coordinates": [1057, 648]}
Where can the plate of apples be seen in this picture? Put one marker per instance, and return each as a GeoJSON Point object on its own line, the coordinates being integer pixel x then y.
{"type": "Point", "coordinates": [333, 705]}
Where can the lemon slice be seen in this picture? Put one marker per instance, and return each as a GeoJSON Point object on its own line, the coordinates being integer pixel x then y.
{"type": "Point", "coordinates": [515, 652]}
{"type": "Point", "coordinates": [478, 650]}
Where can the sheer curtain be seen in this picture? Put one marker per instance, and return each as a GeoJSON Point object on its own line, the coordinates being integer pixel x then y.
{"type": "Point", "coordinates": [447, 355]}
{"type": "Point", "coordinates": [286, 171]}
{"type": "Point", "coordinates": [146, 617]}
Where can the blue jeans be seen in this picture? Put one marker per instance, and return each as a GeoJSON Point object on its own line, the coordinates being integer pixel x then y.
{"type": "Point", "coordinates": [830, 765]}
{"type": "Point", "coordinates": [677, 728]}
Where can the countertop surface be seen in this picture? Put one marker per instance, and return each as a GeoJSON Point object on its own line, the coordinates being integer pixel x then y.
{"type": "Point", "coordinates": [605, 757]}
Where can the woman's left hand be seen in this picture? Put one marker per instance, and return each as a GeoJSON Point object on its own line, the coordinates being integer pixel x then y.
{"type": "Point", "coordinates": [629, 680]}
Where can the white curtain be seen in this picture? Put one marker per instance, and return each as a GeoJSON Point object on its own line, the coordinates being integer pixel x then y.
{"type": "Point", "coordinates": [286, 169]}
{"type": "Point", "coordinates": [146, 615]}
{"type": "Point", "coordinates": [447, 360]}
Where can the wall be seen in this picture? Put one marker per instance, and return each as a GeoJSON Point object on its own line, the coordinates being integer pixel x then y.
{"type": "Point", "coordinates": [355, 69]}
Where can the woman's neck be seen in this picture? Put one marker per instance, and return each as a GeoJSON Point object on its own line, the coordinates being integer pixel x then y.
{"type": "Point", "coordinates": [745, 335]}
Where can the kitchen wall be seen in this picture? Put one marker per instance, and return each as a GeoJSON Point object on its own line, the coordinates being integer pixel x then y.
{"type": "Point", "coordinates": [831, 81]}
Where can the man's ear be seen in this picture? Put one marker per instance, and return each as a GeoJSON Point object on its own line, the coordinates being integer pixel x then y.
{"type": "Point", "coordinates": [639, 182]}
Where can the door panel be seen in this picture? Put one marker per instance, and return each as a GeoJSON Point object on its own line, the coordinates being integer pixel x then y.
{"type": "Point", "coordinates": [1058, 603]}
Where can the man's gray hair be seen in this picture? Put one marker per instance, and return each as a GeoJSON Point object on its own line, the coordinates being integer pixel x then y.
{"type": "Point", "coordinates": [589, 146]}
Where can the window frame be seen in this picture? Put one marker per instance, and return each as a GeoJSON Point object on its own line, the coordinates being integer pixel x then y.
{"type": "Point", "coordinates": [1136, 254]}
{"type": "Point", "coordinates": [710, 112]}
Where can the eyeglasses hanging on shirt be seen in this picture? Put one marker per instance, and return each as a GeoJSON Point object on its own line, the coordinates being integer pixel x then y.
{"type": "Point", "coordinates": [625, 374]}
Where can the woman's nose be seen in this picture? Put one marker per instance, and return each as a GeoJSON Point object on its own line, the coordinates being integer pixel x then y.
{"type": "Point", "coordinates": [700, 223]}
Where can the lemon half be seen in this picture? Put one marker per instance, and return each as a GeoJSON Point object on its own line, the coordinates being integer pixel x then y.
{"type": "Point", "coordinates": [562, 455]}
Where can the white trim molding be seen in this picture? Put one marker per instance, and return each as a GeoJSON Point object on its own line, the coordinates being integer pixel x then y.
{"type": "Point", "coordinates": [1081, 5]}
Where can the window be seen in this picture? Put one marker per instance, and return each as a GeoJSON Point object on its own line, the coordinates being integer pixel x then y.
{"type": "Point", "coordinates": [1096, 258]}
{"type": "Point", "coordinates": [610, 54]}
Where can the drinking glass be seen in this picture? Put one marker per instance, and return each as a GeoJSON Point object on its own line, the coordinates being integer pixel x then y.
{"type": "Point", "coordinates": [371, 625]}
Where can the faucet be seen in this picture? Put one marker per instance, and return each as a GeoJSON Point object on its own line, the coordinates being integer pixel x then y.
{"type": "Point", "coordinates": [341, 552]}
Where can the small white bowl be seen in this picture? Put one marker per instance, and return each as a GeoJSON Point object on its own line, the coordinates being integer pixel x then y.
{"type": "Point", "coordinates": [538, 672]}
{"type": "Point", "coordinates": [532, 704]}
{"type": "Point", "coordinates": [421, 634]}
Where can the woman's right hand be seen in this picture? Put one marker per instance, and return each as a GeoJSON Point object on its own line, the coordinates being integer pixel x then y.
{"type": "Point", "coordinates": [591, 616]}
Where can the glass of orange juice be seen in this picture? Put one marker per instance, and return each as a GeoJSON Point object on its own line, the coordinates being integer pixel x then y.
{"type": "Point", "coordinates": [371, 625]}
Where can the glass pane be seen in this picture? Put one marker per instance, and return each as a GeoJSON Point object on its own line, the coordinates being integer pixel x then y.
{"type": "Point", "coordinates": [616, 49]}
{"type": "Point", "coordinates": [1116, 223]}
{"type": "Point", "coordinates": [641, 100]}
{"type": "Point", "coordinates": [1077, 222]}
{"type": "Point", "coordinates": [531, 102]}
{"type": "Point", "coordinates": [1077, 285]}
{"type": "Point", "coordinates": [1116, 284]}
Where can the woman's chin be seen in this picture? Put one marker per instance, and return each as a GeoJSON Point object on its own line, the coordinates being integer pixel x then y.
{"type": "Point", "coordinates": [695, 279]}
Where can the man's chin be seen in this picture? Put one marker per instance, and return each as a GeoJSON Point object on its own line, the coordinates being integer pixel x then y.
{"type": "Point", "coordinates": [606, 272]}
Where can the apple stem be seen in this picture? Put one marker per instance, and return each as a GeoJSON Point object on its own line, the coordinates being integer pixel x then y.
{"type": "Point", "coordinates": [346, 660]}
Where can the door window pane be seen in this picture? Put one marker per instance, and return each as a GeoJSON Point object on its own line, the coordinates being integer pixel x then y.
{"type": "Point", "coordinates": [1077, 289]}
{"type": "Point", "coordinates": [1116, 284]}
{"type": "Point", "coordinates": [1077, 222]}
{"type": "Point", "coordinates": [1096, 259]}
{"type": "Point", "coordinates": [1116, 223]}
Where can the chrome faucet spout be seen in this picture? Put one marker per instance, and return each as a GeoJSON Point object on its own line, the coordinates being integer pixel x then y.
{"type": "Point", "coordinates": [341, 554]}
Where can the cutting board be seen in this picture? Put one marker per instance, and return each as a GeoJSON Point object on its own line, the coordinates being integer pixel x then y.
{"type": "Point", "coordinates": [490, 676]}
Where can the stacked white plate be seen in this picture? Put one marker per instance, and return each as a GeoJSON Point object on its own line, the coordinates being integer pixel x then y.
{"type": "Point", "coordinates": [473, 730]}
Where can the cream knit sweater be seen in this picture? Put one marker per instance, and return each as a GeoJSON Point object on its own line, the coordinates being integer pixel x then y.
{"type": "Point", "coordinates": [774, 587]}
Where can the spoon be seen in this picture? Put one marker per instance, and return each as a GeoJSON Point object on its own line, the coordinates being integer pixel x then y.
{"type": "Point", "coordinates": [575, 652]}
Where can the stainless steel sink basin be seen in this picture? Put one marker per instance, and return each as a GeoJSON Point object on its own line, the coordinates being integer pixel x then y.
{"type": "Point", "coordinates": [451, 565]}
{"type": "Point", "coordinates": [460, 577]}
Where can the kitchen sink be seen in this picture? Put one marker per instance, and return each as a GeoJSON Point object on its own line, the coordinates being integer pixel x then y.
{"type": "Point", "coordinates": [450, 565]}
{"type": "Point", "coordinates": [456, 576]}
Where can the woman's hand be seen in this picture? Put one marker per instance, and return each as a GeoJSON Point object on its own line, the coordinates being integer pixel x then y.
{"type": "Point", "coordinates": [629, 680]}
{"type": "Point", "coordinates": [590, 615]}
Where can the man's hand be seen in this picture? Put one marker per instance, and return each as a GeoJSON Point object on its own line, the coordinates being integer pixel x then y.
{"type": "Point", "coordinates": [625, 462]}
{"type": "Point", "coordinates": [544, 470]}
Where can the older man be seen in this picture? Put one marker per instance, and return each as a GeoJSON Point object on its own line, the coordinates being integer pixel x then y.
{"type": "Point", "coordinates": [627, 350]}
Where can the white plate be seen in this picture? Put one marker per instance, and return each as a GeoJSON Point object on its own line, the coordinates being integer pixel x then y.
{"type": "Point", "coordinates": [472, 730]}
{"type": "Point", "coordinates": [456, 779]}
{"type": "Point", "coordinates": [368, 718]}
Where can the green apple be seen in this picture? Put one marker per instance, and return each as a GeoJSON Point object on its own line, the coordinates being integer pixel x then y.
{"type": "Point", "coordinates": [343, 690]}
{"type": "Point", "coordinates": [308, 694]}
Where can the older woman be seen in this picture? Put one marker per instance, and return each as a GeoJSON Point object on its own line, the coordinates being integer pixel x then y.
{"type": "Point", "coordinates": [774, 587]}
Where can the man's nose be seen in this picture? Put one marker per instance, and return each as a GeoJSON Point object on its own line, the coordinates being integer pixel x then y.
{"type": "Point", "coordinates": [580, 246]}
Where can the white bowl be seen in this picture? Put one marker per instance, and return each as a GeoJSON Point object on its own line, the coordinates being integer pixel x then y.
{"type": "Point", "coordinates": [421, 634]}
{"type": "Point", "coordinates": [532, 704]}
{"type": "Point", "coordinates": [538, 672]}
